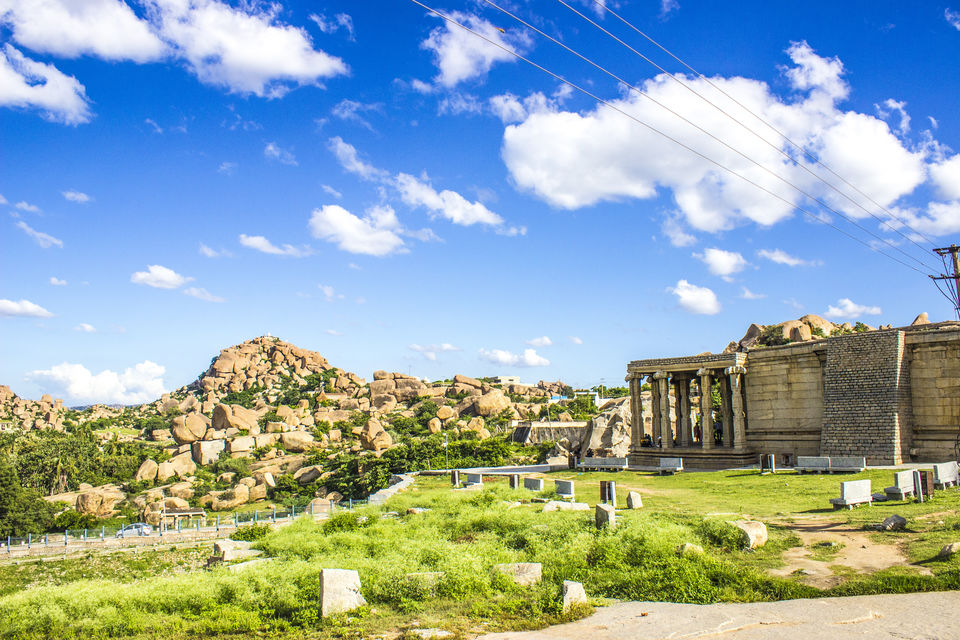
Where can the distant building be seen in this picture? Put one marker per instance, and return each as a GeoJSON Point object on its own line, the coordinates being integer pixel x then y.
{"type": "Point", "coordinates": [506, 380]}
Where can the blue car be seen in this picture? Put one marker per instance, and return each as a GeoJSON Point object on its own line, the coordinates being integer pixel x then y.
{"type": "Point", "coordinates": [136, 529]}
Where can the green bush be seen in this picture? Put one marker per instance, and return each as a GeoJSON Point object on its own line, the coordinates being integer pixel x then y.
{"type": "Point", "coordinates": [251, 533]}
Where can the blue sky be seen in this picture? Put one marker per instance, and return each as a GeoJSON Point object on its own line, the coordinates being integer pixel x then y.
{"type": "Point", "coordinates": [368, 181]}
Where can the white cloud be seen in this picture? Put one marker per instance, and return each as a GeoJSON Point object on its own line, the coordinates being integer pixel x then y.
{"type": "Point", "coordinates": [210, 252]}
{"type": "Point", "coordinates": [107, 29]}
{"type": "Point", "coordinates": [577, 159]}
{"type": "Point", "coordinates": [138, 384]}
{"type": "Point", "coordinates": [374, 234]}
{"type": "Point", "coordinates": [667, 7]}
{"type": "Point", "coordinates": [244, 49]}
{"type": "Point", "coordinates": [576, 340]}
{"type": "Point", "coordinates": [891, 106]}
{"type": "Point", "coordinates": [23, 205]}
{"type": "Point", "coordinates": [273, 152]}
{"type": "Point", "coordinates": [202, 294]}
{"type": "Point", "coordinates": [159, 277]}
{"type": "Point", "coordinates": [782, 257]}
{"type": "Point", "coordinates": [153, 124]}
{"type": "Point", "coordinates": [30, 84]}
{"type": "Point", "coordinates": [953, 17]}
{"type": "Point", "coordinates": [945, 175]}
{"type": "Point", "coordinates": [696, 299]}
{"type": "Point", "coordinates": [460, 55]}
{"type": "Point", "coordinates": [330, 293]}
{"type": "Point", "coordinates": [3, 200]}
{"type": "Point", "coordinates": [350, 110]}
{"type": "Point", "coordinates": [673, 228]}
{"type": "Point", "coordinates": [331, 191]}
{"type": "Point", "coordinates": [750, 295]}
{"type": "Point", "coordinates": [848, 309]}
{"type": "Point", "coordinates": [940, 218]}
{"type": "Point", "coordinates": [722, 263]}
{"type": "Point", "coordinates": [77, 196]}
{"type": "Point", "coordinates": [430, 351]}
{"type": "Point", "coordinates": [347, 155]}
{"type": "Point", "coordinates": [85, 328]}
{"type": "Point", "coordinates": [57, 282]}
{"type": "Point", "coordinates": [354, 266]}
{"type": "Point", "coordinates": [542, 341]}
{"type": "Point", "coordinates": [333, 332]}
{"type": "Point", "coordinates": [334, 24]}
{"type": "Point", "coordinates": [529, 358]}
{"type": "Point", "coordinates": [457, 103]}
{"type": "Point", "coordinates": [45, 240]}
{"type": "Point", "coordinates": [448, 204]}
{"type": "Point", "coordinates": [227, 168]}
{"type": "Point", "coordinates": [260, 243]}
{"type": "Point", "coordinates": [23, 308]}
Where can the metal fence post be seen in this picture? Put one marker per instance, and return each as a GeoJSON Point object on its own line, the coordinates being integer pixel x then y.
{"type": "Point", "coordinates": [103, 533]}
{"type": "Point", "coordinates": [293, 510]}
{"type": "Point", "coordinates": [8, 544]}
{"type": "Point", "coordinates": [84, 535]}
{"type": "Point", "coordinates": [65, 532]}
{"type": "Point", "coordinates": [255, 513]}
{"type": "Point", "coordinates": [29, 540]}
{"type": "Point", "coordinates": [46, 539]}
{"type": "Point", "coordinates": [274, 514]}
{"type": "Point", "coordinates": [218, 522]}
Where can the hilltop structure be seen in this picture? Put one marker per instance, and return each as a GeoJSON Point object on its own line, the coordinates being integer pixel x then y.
{"type": "Point", "coordinates": [889, 395]}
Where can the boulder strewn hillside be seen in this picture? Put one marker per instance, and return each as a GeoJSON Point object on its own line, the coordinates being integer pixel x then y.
{"type": "Point", "coordinates": [266, 421]}
{"type": "Point", "coordinates": [809, 327]}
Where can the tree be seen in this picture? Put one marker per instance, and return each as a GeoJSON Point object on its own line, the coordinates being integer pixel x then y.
{"type": "Point", "coordinates": [22, 511]}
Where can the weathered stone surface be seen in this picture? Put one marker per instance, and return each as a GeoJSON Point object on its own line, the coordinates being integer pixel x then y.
{"type": "Point", "coordinates": [233, 416]}
{"type": "Point", "coordinates": [180, 465]}
{"type": "Point", "coordinates": [754, 533]}
{"type": "Point", "coordinates": [465, 380]}
{"type": "Point", "coordinates": [800, 333]}
{"type": "Point", "coordinates": [297, 441]}
{"type": "Point", "coordinates": [241, 443]}
{"type": "Point", "coordinates": [949, 550]}
{"type": "Point", "coordinates": [188, 428]}
{"type": "Point", "coordinates": [492, 403]}
{"type": "Point", "coordinates": [523, 573]}
{"type": "Point", "coordinates": [99, 501]}
{"type": "Point", "coordinates": [560, 505]}
{"type": "Point", "coordinates": [634, 500]}
{"type": "Point", "coordinates": [921, 319]}
{"type": "Point", "coordinates": [605, 517]}
{"type": "Point", "coordinates": [182, 490]}
{"type": "Point", "coordinates": [147, 471]}
{"type": "Point", "coordinates": [573, 594]}
{"type": "Point", "coordinates": [339, 591]}
{"type": "Point", "coordinates": [608, 434]}
{"type": "Point", "coordinates": [306, 475]}
{"type": "Point", "coordinates": [373, 436]}
{"type": "Point", "coordinates": [445, 413]}
{"type": "Point", "coordinates": [434, 425]}
{"type": "Point", "coordinates": [258, 492]}
{"type": "Point", "coordinates": [207, 451]}
{"type": "Point", "coordinates": [232, 498]}
{"type": "Point", "coordinates": [893, 523]}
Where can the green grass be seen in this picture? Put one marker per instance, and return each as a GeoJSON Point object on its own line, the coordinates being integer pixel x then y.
{"type": "Point", "coordinates": [461, 537]}
{"type": "Point", "coordinates": [118, 566]}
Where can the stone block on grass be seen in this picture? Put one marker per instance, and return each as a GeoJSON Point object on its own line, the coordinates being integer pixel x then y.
{"type": "Point", "coordinates": [339, 591]}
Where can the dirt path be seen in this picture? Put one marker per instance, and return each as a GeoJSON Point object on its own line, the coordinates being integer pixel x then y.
{"type": "Point", "coordinates": [920, 616]}
{"type": "Point", "coordinates": [854, 549]}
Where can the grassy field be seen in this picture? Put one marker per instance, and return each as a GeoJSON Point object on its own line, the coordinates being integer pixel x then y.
{"type": "Point", "coordinates": [458, 540]}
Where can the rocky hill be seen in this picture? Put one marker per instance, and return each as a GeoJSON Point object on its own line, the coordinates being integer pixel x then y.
{"type": "Point", "coordinates": [809, 327]}
{"type": "Point", "coordinates": [269, 420]}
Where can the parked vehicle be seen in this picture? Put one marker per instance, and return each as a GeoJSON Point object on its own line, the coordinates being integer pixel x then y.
{"type": "Point", "coordinates": [135, 529]}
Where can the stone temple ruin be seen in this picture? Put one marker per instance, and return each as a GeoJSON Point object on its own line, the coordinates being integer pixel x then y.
{"type": "Point", "coordinates": [891, 396]}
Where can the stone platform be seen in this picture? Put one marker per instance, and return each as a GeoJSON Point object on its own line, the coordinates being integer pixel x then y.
{"type": "Point", "coordinates": [694, 457]}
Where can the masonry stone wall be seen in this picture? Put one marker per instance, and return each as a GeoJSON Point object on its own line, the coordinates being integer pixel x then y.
{"type": "Point", "coordinates": [784, 400]}
{"type": "Point", "coordinates": [866, 397]}
{"type": "Point", "coordinates": [935, 394]}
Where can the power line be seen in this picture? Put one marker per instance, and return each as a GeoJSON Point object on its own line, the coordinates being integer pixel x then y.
{"type": "Point", "coordinates": [798, 146]}
{"type": "Point", "coordinates": [657, 131]}
{"type": "Point", "coordinates": [707, 133]}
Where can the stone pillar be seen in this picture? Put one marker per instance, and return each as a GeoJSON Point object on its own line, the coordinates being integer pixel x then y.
{"type": "Point", "coordinates": [726, 410]}
{"type": "Point", "coordinates": [684, 419]}
{"type": "Point", "coordinates": [655, 431]}
{"type": "Point", "coordinates": [636, 412]}
{"type": "Point", "coordinates": [706, 408]}
{"type": "Point", "coordinates": [666, 429]}
{"type": "Point", "coordinates": [736, 401]}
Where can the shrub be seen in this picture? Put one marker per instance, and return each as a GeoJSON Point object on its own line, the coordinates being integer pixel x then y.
{"type": "Point", "coordinates": [251, 533]}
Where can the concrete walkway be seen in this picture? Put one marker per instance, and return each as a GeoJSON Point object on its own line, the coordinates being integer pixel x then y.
{"type": "Point", "coordinates": [919, 616]}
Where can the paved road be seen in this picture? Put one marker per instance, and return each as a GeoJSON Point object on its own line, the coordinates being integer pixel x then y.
{"type": "Point", "coordinates": [918, 616]}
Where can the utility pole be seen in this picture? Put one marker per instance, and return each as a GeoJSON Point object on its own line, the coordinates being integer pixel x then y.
{"type": "Point", "coordinates": [954, 252]}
